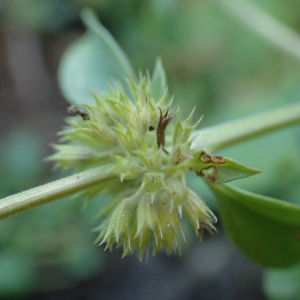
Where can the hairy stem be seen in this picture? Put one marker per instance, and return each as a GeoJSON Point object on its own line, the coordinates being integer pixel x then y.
{"type": "Point", "coordinates": [217, 137]}
{"type": "Point", "coordinates": [54, 190]}
{"type": "Point", "coordinates": [209, 139]}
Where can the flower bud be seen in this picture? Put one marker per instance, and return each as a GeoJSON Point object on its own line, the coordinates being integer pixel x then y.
{"type": "Point", "coordinates": [126, 168]}
{"type": "Point", "coordinates": [119, 223]}
{"type": "Point", "coordinates": [149, 157]}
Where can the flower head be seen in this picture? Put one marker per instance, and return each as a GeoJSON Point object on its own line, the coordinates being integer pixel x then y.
{"type": "Point", "coordinates": [148, 148]}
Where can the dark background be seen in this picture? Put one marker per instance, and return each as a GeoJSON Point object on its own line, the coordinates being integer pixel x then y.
{"type": "Point", "coordinates": [212, 61]}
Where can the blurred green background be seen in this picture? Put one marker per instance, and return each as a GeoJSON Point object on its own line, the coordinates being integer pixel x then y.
{"type": "Point", "coordinates": [214, 62]}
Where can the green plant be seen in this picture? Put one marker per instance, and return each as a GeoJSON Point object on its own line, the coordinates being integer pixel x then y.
{"type": "Point", "coordinates": [148, 166]}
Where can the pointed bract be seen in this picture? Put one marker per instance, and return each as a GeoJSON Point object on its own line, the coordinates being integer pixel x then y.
{"type": "Point", "coordinates": [148, 148]}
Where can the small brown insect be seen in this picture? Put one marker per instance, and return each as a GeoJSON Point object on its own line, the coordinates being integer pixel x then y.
{"type": "Point", "coordinates": [164, 121]}
{"type": "Point", "coordinates": [73, 111]}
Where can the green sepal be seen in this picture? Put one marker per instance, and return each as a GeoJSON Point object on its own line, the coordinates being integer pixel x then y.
{"type": "Point", "coordinates": [119, 222]}
{"type": "Point", "coordinates": [77, 157]}
{"type": "Point", "coordinates": [150, 157]}
{"type": "Point", "coordinates": [218, 169]}
{"type": "Point", "coordinates": [152, 181]}
{"type": "Point", "coordinates": [126, 168]}
{"type": "Point", "coordinates": [264, 229]}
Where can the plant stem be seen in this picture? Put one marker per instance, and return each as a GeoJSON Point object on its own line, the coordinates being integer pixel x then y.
{"type": "Point", "coordinates": [54, 190]}
{"type": "Point", "coordinates": [280, 35]}
{"type": "Point", "coordinates": [217, 137]}
{"type": "Point", "coordinates": [210, 139]}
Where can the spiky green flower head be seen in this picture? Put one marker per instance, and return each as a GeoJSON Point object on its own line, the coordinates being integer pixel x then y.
{"type": "Point", "coordinates": [147, 148]}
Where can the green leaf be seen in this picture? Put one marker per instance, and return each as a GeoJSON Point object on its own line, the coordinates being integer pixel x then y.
{"type": "Point", "coordinates": [218, 169]}
{"type": "Point", "coordinates": [91, 63]}
{"type": "Point", "coordinates": [158, 81]}
{"type": "Point", "coordinates": [265, 229]}
{"type": "Point", "coordinates": [282, 284]}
